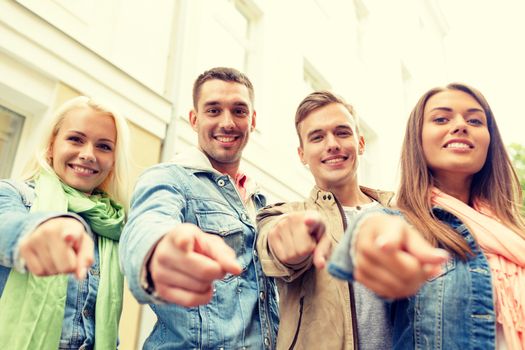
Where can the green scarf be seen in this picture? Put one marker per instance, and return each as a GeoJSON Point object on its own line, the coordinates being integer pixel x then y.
{"type": "Point", "coordinates": [32, 307]}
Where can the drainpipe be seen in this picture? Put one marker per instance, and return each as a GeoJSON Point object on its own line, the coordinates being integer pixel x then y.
{"type": "Point", "coordinates": [174, 76]}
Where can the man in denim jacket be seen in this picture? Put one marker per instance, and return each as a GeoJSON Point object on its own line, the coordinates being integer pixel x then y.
{"type": "Point", "coordinates": [185, 214]}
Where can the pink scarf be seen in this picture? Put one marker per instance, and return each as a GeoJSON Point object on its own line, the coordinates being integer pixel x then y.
{"type": "Point", "coordinates": [505, 252]}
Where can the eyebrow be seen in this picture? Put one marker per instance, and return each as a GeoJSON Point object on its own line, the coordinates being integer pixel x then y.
{"type": "Point", "coordinates": [84, 135]}
{"type": "Point", "coordinates": [338, 127]}
{"type": "Point", "coordinates": [447, 109]}
{"type": "Point", "coordinates": [217, 103]}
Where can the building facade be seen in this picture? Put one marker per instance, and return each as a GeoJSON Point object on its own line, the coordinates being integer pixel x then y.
{"type": "Point", "coordinates": [142, 57]}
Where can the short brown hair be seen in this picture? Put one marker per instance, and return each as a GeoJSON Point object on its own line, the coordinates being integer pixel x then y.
{"type": "Point", "coordinates": [316, 100]}
{"type": "Point", "coordinates": [224, 74]}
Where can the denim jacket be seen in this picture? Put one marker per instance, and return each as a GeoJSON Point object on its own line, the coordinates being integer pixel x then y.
{"type": "Point", "coordinates": [16, 198]}
{"type": "Point", "coordinates": [243, 311]}
{"type": "Point", "coordinates": [454, 310]}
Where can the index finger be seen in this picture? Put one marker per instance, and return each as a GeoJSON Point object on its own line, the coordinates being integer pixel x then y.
{"type": "Point", "coordinates": [315, 224]}
{"type": "Point", "coordinates": [84, 248]}
{"type": "Point", "coordinates": [322, 252]}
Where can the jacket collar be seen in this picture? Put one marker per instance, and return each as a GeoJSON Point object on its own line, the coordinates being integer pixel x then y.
{"type": "Point", "coordinates": [319, 196]}
{"type": "Point", "coordinates": [196, 161]}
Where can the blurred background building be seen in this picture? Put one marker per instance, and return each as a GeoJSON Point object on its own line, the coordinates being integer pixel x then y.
{"type": "Point", "coordinates": [143, 56]}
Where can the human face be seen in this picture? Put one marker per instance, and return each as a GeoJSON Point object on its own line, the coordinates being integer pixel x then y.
{"type": "Point", "coordinates": [223, 120]}
{"type": "Point", "coordinates": [455, 135]}
{"type": "Point", "coordinates": [331, 146]}
{"type": "Point", "coordinates": [83, 151]}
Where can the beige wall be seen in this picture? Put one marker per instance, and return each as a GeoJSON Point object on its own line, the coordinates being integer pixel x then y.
{"type": "Point", "coordinates": [145, 151]}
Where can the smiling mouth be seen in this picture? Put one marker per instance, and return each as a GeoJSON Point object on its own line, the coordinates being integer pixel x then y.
{"type": "Point", "coordinates": [83, 170]}
{"type": "Point", "coordinates": [458, 145]}
{"type": "Point", "coordinates": [335, 160]}
{"type": "Point", "coordinates": [226, 139]}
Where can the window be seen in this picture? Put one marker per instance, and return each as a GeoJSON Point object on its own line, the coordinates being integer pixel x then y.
{"type": "Point", "coordinates": [230, 38]}
{"type": "Point", "coordinates": [313, 80]}
{"type": "Point", "coordinates": [10, 128]}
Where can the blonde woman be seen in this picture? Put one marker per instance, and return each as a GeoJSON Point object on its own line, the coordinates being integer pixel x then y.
{"type": "Point", "coordinates": [60, 284]}
{"type": "Point", "coordinates": [458, 191]}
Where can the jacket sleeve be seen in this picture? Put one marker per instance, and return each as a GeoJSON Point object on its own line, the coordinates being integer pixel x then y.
{"type": "Point", "coordinates": [267, 218]}
{"type": "Point", "coordinates": [16, 221]}
{"type": "Point", "coordinates": [341, 262]}
{"type": "Point", "coordinates": [157, 205]}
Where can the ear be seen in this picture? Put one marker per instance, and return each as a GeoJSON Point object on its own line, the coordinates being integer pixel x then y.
{"type": "Point", "coordinates": [361, 145]}
{"type": "Point", "coordinates": [49, 154]}
{"type": "Point", "coordinates": [254, 119]}
{"type": "Point", "coordinates": [193, 119]}
{"type": "Point", "coordinates": [300, 152]}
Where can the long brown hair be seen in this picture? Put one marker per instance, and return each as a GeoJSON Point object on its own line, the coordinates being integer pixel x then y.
{"type": "Point", "coordinates": [495, 184]}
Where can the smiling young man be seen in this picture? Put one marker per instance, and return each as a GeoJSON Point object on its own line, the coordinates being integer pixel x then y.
{"type": "Point", "coordinates": [188, 247]}
{"type": "Point", "coordinates": [317, 311]}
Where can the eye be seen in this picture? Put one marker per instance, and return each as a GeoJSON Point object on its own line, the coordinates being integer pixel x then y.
{"type": "Point", "coordinates": [440, 119]}
{"type": "Point", "coordinates": [74, 139]}
{"type": "Point", "coordinates": [105, 147]}
{"type": "Point", "coordinates": [242, 112]}
{"type": "Point", "coordinates": [213, 111]}
{"type": "Point", "coordinates": [344, 133]}
{"type": "Point", "coordinates": [316, 138]}
{"type": "Point", "coordinates": [475, 121]}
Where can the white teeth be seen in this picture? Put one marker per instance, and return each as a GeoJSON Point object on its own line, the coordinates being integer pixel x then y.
{"type": "Point", "coordinates": [82, 170]}
{"type": "Point", "coordinates": [457, 145]}
{"type": "Point", "coordinates": [225, 138]}
{"type": "Point", "coordinates": [334, 160]}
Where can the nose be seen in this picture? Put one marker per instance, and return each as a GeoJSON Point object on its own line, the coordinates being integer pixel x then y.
{"type": "Point", "coordinates": [459, 125]}
{"type": "Point", "coordinates": [332, 144]}
{"type": "Point", "coordinates": [87, 153]}
{"type": "Point", "coordinates": [226, 122]}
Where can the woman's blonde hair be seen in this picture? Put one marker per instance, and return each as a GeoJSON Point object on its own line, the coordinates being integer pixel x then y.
{"type": "Point", "coordinates": [116, 183]}
{"type": "Point", "coordinates": [495, 184]}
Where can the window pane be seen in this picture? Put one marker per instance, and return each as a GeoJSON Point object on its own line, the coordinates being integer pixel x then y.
{"type": "Point", "coordinates": [10, 129]}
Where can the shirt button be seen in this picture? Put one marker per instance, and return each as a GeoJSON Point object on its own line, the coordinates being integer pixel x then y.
{"type": "Point", "coordinates": [255, 252]}
{"type": "Point", "coordinates": [220, 182]}
{"type": "Point", "coordinates": [244, 216]}
{"type": "Point", "coordinates": [266, 341]}
{"type": "Point", "coordinates": [261, 295]}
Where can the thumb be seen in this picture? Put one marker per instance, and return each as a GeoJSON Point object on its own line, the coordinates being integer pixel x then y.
{"type": "Point", "coordinates": [425, 252]}
{"type": "Point", "coordinates": [392, 233]}
{"type": "Point", "coordinates": [215, 248]}
{"type": "Point", "coordinates": [184, 240]}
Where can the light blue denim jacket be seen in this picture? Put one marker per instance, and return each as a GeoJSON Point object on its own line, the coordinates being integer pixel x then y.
{"type": "Point", "coordinates": [16, 198]}
{"type": "Point", "coordinates": [454, 310]}
{"type": "Point", "coordinates": [243, 311]}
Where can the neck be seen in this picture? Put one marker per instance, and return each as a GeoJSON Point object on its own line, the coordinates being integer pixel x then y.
{"type": "Point", "coordinates": [349, 195]}
{"type": "Point", "coordinates": [226, 168]}
{"type": "Point", "coordinates": [455, 186]}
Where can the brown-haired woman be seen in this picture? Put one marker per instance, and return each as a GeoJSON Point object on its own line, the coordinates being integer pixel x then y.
{"type": "Point", "coordinates": [460, 192]}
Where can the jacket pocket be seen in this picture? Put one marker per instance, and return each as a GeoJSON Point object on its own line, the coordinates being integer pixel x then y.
{"type": "Point", "coordinates": [229, 228]}
{"type": "Point", "coordinates": [450, 265]}
{"type": "Point", "coordinates": [296, 336]}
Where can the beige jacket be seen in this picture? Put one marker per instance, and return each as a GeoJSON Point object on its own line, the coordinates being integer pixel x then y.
{"type": "Point", "coordinates": [316, 310]}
